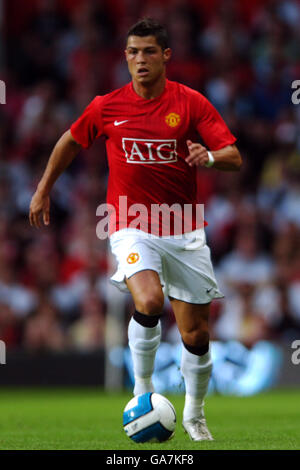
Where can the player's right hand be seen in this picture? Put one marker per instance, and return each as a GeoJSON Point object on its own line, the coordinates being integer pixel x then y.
{"type": "Point", "coordinates": [39, 205]}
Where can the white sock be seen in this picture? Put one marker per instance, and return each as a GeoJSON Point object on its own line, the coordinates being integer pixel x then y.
{"type": "Point", "coordinates": [143, 343]}
{"type": "Point", "coordinates": [196, 371]}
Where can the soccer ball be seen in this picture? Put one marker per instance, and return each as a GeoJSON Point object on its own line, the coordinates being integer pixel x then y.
{"type": "Point", "coordinates": [149, 417]}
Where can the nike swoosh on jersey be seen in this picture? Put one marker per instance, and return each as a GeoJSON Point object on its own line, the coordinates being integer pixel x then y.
{"type": "Point", "coordinates": [118, 123]}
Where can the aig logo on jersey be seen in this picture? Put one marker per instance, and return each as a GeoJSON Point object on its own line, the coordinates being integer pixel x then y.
{"type": "Point", "coordinates": [150, 150]}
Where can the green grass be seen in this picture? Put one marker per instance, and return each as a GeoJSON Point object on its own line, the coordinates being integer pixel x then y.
{"type": "Point", "coordinates": [91, 419]}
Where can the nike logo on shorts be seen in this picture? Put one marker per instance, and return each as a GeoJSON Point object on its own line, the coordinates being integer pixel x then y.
{"type": "Point", "coordinates": [118, 123]}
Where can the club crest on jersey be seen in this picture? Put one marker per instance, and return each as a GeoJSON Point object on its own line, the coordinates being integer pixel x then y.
{"type": "Point", "coordinates": [150, 150]}
{"type": "Point", "coordinates": [172, 119]}
{"type": "Point", "coordinates": [133, 258]}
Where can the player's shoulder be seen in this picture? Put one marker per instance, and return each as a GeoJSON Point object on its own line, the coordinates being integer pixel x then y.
{"type": "Point", "coordinates": [185, 90]}
{"type": "Point", "coordinates": [101, 100]}
{"type": "Point", "coordinates": [119, 93]}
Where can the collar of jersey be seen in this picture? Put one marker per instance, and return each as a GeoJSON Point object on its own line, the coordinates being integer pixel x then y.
{"type": "Point", "coordinates": [145, 100]}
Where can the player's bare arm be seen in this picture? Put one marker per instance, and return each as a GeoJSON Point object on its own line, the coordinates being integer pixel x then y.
{"type": "Point", "coordinates": [227, 159]}
{"type": "Point", "coordinates": [62, 155]}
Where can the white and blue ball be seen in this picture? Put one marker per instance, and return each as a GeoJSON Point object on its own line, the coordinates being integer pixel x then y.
{"type": "Point", "coordinates": [149, 418]}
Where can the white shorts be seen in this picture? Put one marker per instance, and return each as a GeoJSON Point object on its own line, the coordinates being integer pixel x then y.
{"type": "Point", "coordinates": [183, 264]}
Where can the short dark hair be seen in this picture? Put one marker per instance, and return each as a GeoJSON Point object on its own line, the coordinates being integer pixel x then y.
{"type": "Point", "coordinates": [150, 27]}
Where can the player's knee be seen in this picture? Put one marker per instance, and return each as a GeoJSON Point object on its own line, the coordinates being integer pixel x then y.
{"type": "Point", "coordinates": [196, 337]}
{"type": "Point", "coordinates": [151, 304]}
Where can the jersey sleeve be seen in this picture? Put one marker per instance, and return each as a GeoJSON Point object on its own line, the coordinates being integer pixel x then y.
{"type": "Point", "coordinates": [89, 126]}
{"type": "Point", "coordinates": [210, 125]}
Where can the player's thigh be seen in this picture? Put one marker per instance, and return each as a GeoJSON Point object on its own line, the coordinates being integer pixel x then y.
{"type": "Point", "coordinates": [192, 321]}
{"type": "Point", "coordinates": [146, 291]}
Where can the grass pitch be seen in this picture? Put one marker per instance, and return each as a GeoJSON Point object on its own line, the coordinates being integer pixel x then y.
{"type": "Point", "coordinates": [91, 419]}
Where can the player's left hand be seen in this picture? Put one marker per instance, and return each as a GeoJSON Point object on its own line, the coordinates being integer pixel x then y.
{"type": "Point", "coordinates": [40, 205]}
{"type": "Point", "coordinates": [197, 154]}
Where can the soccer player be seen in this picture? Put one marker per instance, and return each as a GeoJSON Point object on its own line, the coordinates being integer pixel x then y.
{"type": "Point", "coordinates": [152, 126]}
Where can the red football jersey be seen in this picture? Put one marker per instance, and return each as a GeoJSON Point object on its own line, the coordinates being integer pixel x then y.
{"type": "Point", "coordinates": [146, 149]}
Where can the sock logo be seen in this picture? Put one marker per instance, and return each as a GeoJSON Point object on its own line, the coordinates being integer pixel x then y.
{"type": "Point", "coordinates": [133, 258]}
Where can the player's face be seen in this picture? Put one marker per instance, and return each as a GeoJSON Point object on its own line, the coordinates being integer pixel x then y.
{"type": "Point", "coordinates": [146, 59]}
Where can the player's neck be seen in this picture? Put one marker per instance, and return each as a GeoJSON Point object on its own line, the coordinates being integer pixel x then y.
{"type": "Point", "coordinates": [150, 91]}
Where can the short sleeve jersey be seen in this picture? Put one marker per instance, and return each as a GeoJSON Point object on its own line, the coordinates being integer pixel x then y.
{"type": "Point", "coordinates": [146, 149]}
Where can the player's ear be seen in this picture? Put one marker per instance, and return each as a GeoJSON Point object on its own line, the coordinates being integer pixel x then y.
{"type": "Point", "coordinates": [167, 54]}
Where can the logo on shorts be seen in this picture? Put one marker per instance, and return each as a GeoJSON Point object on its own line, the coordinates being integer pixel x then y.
{"type": "Point", "coordinates": [133, 258]}
{"type": "Point", "coordinates": [172, 119]}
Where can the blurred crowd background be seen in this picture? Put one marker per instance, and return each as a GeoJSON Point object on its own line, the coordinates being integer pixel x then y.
{"type": "Point", "coordinates": [56, 55]}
